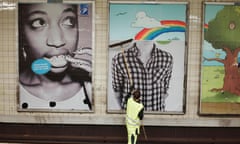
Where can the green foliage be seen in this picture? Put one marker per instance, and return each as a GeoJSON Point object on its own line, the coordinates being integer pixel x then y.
{"type": "Point", "coordinates": [224, 29]}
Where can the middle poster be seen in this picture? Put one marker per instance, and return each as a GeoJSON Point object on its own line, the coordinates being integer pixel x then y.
{"type": "Point", "coordinates": [147, 51]}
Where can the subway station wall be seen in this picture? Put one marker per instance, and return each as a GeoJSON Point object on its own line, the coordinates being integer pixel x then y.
{"type": "Point", "coordinates": [97, 28]}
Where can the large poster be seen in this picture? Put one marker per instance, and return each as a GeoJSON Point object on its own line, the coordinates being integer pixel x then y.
{"type": "Point", "coordinates": [55, 56]}
{"type": "Point", "coordinates": [220, 73]}
{"type": "Point", "coordinates": [147, 51]}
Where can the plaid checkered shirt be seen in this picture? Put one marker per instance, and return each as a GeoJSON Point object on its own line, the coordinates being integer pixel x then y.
{"type": "Point", "coordinates": [152, 80]}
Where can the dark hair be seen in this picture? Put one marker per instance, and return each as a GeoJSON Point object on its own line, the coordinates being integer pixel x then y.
{"type": "Point", "coordinates": [136, 94]}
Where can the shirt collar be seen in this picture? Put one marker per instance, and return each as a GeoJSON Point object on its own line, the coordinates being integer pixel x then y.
{"type": "Point", "coordinates": [136, 51]}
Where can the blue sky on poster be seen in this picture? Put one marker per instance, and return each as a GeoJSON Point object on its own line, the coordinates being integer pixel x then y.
{"type": "Point", "coordinates": [123, 16]}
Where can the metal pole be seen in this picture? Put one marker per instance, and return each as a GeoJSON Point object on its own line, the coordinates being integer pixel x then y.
{"type": "Point", "coordinates": [144, 132]}
{"type": "Point", "coordinates": [126, 64]}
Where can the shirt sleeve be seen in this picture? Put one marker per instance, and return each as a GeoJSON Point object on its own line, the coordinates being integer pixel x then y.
{"type": "Point", "coordinates": [169, 73]}
{"type": "Point", "coordinates": [117, 76]}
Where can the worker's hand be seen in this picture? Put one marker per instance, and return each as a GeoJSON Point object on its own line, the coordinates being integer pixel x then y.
{"type": "Point", "coordinates": [131, 88]}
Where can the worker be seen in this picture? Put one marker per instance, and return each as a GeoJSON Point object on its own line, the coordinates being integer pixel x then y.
{"type": "Point", "coordinates": [134, 113]}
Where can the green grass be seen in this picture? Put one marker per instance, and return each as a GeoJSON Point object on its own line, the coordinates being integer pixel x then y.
{"type": "Point", "coordinates": [212, 77]}
{"type": "Point", "coordinates": [163, 42]}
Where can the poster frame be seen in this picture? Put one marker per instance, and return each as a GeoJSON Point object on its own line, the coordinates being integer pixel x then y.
{"type": "Point", "coordinates": [127, 42]}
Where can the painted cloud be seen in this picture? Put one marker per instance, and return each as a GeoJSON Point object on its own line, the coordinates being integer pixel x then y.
{"type": "Point", "coordinates": [142, 20]}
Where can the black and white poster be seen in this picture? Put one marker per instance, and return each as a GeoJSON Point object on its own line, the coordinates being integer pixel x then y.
{"type": "Point", "coordinates": [55, 47]}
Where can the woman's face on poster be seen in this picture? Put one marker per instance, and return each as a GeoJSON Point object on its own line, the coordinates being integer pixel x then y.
{"type": "Point", "coordinates": [50, 30]}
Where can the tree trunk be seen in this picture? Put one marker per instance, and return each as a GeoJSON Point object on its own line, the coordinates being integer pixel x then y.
{"type": "Point", "coordinates": [232, 73]}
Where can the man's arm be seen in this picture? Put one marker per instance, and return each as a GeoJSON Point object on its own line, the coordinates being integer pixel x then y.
{"type": "Point", "coordinates": [129, 93]}
{"type": "Point", "coordinates": [127, 97]}
{"type": "Point", "coordinates": [141, 114]}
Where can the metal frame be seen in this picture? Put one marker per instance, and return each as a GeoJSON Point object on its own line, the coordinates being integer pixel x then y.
{"type": "Point", "coordinates": [92, 44]}
{"type": "Point", "coordinates": [212, 107]}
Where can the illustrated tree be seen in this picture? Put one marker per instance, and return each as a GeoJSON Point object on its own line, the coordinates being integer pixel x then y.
{"type": "Point", "coordinates": [224, 33]}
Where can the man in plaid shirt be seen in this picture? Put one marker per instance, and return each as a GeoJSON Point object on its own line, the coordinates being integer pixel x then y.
{"type": "Point", "coordinates": [150, 71]}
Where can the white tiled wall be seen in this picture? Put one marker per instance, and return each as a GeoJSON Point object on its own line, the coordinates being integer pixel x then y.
{"type": "Point", "coordinates": [8, 75]}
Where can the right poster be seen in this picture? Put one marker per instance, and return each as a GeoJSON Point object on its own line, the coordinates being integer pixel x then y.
{"type": "Point", "coordinates": [220, 65]}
